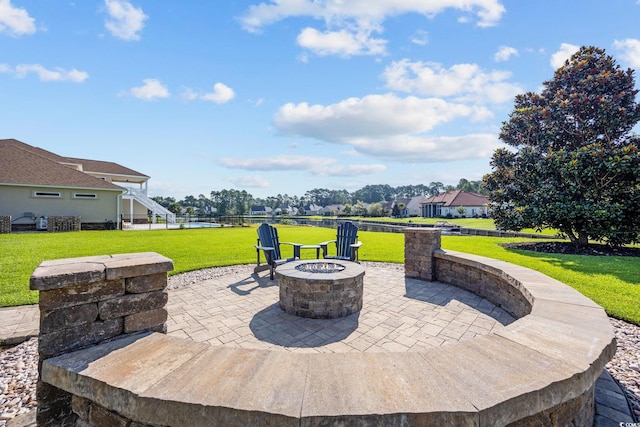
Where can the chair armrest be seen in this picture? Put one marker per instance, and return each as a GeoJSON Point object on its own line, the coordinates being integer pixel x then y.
{"type": "Point", "coordinates": [356, 245]}
{"type": "Point", "coordinates": [296, 248]}
{"type": "Point", "coordinates": [327, 242]}
{"type": "Point", "coordinates": [324, 246]}
{"type": "Point", "coordinates": [265, 248]}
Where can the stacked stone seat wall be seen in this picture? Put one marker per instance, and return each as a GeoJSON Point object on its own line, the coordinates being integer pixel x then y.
{"type": "Point", "coordinates": [101, 364]}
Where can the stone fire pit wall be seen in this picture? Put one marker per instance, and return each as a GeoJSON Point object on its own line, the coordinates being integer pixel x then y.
{"type": "Point", "coordinates": [86, 301]}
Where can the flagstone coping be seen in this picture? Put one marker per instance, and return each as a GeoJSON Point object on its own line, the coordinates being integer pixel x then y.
{"type": "Point", "coordinates": [546, 362]}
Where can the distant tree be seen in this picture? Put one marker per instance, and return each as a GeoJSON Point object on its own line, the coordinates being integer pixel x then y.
{"type": "Point", "coordinates": [472, 186]}
{"type": "Point", "coordinates": [435, 188]}
{"type": "Point", "coordinates": [395, 212]}
{"type": "Point", "coordinates": [359, 209]}
{"type": "Point", "coordinates": [575, 165]}
{"type": "Point", "coordinates": [375, 209]}
{"type": "Point", "coordinates": [175, 208]}
{"type": "Point", "coordinates": [374, 193]}
{"type": "Point", "coordinates": [164, 201]}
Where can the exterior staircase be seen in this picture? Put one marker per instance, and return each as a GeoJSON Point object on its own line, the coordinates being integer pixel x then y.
{"type": "Point", "coordinates": [155, 208]}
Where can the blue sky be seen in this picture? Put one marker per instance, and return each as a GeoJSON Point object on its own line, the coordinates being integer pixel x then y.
{"type": "Point", "coordinates": [283, 96]}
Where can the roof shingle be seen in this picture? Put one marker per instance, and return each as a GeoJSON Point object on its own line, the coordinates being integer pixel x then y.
{"type": "Point", "coordinates": [26, 165]}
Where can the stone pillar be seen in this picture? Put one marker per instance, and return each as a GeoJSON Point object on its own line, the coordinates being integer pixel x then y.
{"type": "Point", "coordinates": [85, 301]}
{"type": "Point", "coordinates": [419, 245]}
{"type": "Point", "coordinates": [5, 224]}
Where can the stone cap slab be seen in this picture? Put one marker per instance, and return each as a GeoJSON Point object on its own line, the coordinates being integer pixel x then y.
{"type": "Point", "coordinates": [85, 270]}
{"type": "Point", "coordinates": [539, 362]}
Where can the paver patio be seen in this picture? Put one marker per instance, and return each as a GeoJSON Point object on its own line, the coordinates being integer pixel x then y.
{"type": "Point", "coordinates": [398, 315]}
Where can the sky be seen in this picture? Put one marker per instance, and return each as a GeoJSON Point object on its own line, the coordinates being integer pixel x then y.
{"type": "Point", "coordinates": [286, 96]}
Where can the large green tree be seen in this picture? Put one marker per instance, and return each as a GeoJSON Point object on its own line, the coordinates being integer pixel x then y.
{"type": "Point", "coordinates": [574, 164]}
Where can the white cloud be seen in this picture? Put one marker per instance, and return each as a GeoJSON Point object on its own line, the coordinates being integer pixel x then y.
{"type": "Point", "coordinates": [488, 12]}
{"type": "Point", "coordinates": [151, 89]}
{"type": "Point", "coordinates": [375, 115]}
{"type": "Point", "coordinates": [189, 95]}
{"type": "Point", "coordinates": [277, 163]}
{"type": "Point", "coordinates": [351, 170]}
{"type": "Point", "coordinates": [566, 50]}
{"type": "Point", "coordinates": [464, 82]}
{"type": "Point", "coordinates": [350, 24]}
{"type": "Point", "coordinates": [505, 53]}
{"type": "Point", "coordinates": [125, 21]}
{"type": "Point", "coordinates": [15, 21]}
{"type": "Point", "coordinates": [389, 127]}
{"type": "Point", "coordinates": [429, 149]}
{"type": "Point", "coordinates": [221, 94]}
{"type": "Point", "coordinates": [321, 166]}
{"type": "Point", "coordinates": [420, 38]}
{"type": "Point", "coordinates": [629, 51]}
{"type": "Point", "coordinates": [250, 181]}
{"type": "Point", "coordinates": [342, 43]}
{"type": "Point", "coordinates": [45, 75]}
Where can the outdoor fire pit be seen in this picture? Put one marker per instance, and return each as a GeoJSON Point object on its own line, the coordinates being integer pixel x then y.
{"type": "Point", "coordinates": [320, 289]}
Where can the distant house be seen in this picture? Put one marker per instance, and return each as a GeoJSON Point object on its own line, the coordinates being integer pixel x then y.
{"type": "Point", "coordinates": [260, 210]}
{"type": "Point", "coordinates": [455, 203]}
{"type": "Point", "coordinates": [414, 206]}
{"type": "Point", "coordinates": [312, 209]}
{"type": "Point", "coordinates": [38, 183]}
{"type": "Point", "coordinates": [332, 210]}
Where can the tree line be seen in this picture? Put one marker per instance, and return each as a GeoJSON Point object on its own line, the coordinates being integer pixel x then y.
{"type": "Point", "coordinates": [238, 202]}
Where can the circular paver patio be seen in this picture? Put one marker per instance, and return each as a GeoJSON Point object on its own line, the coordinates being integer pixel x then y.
{"type": "Point", "coordinates": [398, 315]}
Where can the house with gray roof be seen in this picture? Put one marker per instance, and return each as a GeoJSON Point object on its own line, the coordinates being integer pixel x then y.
{"type": "Point", "coordinates": [455, 203]}
{"type": "Point", "coordinates": [37, 183]}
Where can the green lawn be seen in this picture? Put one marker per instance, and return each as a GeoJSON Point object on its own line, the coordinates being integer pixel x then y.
{"type": "Point", "coordinates": [613, 282]}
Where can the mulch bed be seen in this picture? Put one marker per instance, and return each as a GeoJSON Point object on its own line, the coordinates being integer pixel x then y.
{"type": "Point", "coordinates": [569, 248]}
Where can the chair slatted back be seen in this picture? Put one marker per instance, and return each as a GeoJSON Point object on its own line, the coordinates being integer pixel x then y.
{"type": "Point", "coordinates": [268, 236]}
{"type": "Point", "coordinates": [347, 236]}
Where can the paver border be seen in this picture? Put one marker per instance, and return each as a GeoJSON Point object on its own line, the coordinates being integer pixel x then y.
{"type": "Point", "coordinates": [542, 366]}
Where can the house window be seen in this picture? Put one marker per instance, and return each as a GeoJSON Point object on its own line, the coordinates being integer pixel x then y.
{"type": "Point", "coordinates": [85, 196]}
{"type": "Point", "coordinates": [47, 194]}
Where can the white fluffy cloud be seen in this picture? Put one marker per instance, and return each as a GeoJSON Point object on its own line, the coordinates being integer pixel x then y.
{"type": "Point", "coordinates": [325, 166]}
{"type": "Point", "coordinates": [15, 21]}
{"type": "Point", "coordinates": [505, 53]}
{"type": "Point", "coordinates": [44, 74]}
{"type": "Point", "coordinates": [629, 51]}
{"type": "Point", "coordinates": [275, 163]}
{"type": "Point", "coordinates": [151, 89]}
{"type": "Point", "coordinates": [463, 82]}
{"type": "Point", "coordinates": [566, 50]}
{"type": "Point", "coordinates": [389, 127]}
{"type": "Point", "coordinates": [221, 94]}
{"type": "Point", "coordinates": [342, 43]}
{"type": "Point", "coordinates": [125, 21]}
{"type": "Point", "coordinates": [350, 25]}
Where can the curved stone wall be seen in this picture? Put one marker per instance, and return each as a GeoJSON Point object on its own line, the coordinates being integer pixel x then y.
{"type": "Point", "coordinates": [540, 370]}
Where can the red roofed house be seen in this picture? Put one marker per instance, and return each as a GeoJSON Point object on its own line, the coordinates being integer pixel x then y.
{"type": "Point", "coordinates": [453, 203]}
{"type": "Point", "coordinates": [36, 182]}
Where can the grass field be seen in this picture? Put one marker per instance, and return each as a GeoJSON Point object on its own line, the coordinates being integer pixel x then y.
{"type": "Point", "coordinates": [612, 282]}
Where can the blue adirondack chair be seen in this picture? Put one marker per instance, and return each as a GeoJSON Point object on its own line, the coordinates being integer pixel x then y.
{"type": "Point", "coordinates": [347, 243]}
{"type": "Point", "coordinates": [269, 243]}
